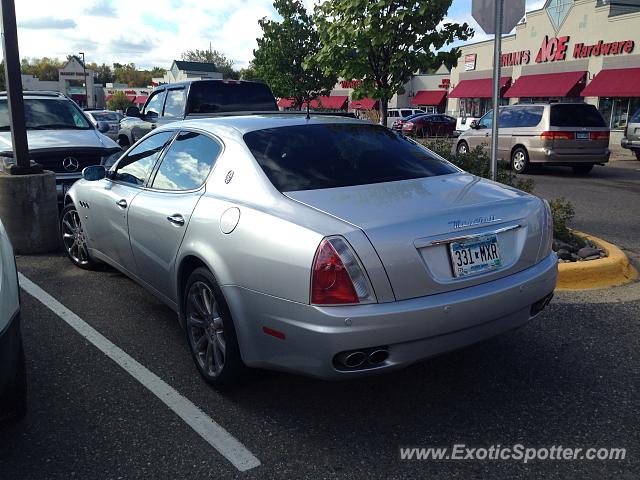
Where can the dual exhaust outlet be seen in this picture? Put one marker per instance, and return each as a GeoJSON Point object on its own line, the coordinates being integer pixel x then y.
{"type": "Point", "coordinates": [354, 359]}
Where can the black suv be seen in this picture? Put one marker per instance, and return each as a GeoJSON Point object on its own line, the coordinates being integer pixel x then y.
{"type": "Point", "coordinates": [194, 99]}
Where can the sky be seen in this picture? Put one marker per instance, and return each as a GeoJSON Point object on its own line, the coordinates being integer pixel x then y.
{"type": "Point", "coordinates": [155, 33]}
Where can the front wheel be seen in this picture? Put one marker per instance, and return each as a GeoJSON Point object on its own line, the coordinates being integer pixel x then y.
{"type": "Point", "coordinates": [74, 239]}
{"type": "Point", "coordinates": [637, 152]}
{"type": "Point", "coordinates": [519, 160]}
{"type": "Point", "coordinates": [462, 148]}
{"type": "Point", "coordinates": [210, 331]}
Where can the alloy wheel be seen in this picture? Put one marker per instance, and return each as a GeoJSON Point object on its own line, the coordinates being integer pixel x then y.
{"type": "Point", "coordinates": [519, 161]}
{"type": "Point", "coordinates": [205, 329]}
{"type": "Point", "coordinates": [73, 237]}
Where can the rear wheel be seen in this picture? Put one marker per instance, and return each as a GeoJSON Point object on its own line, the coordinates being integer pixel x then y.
{"type": "Point", "coordinates": [74, 240]}
{"type": "Point", "coordinates": [519, 160]}
{"type": "Point", "coordinates": [462, 148]}
{"type": "Point", "coordinates": [210, 331]}
{"type": "Point", "coordinates": [582, 168]}
{"type": "Point", "coordinates": [637, 152]}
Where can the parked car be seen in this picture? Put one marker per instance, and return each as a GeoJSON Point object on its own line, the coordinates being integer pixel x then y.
{"type": "Point", "coordinates": [394, 114]}
{"type": "Point", "coordinates": [60, 136]}
{"type": "Point", "coordinates": [463, 122]}
{"type": "Point", "coordinates": [430, 126]}
{"type": "Point", "coordinates": [112, 118]}
{"type": "Point", "coordinates": [194, 99]}
{"type": "Point", "coordinates": [631, 139]}
{"type": "Point", "coordinates": [568, 134]}
{"type": "Point", "coordinates": [397, 124]}
{"type": "Point", "coordinates": [13, 379]}
{"type": "Point", "coordinates": [326, 246]}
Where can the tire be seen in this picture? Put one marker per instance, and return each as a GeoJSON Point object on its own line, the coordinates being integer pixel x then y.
{"type": "Point", "coordinates": [210, 331]}
{"type": "Point", "coordinates": [637, 152]}
{"type": "Point", "coordinates": [124, 142]}
{"type": "Point", "coordinates": [520, 160]}
{"type": "Point", "coordinates": [462, 148]}
{"type": "Point", "coordinates": [73, 239]}
{"type": "Point", "coordinates": [583, 169]}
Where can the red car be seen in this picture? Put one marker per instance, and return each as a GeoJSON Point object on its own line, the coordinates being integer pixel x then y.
{"type": "Point", "coordinates": [435, 125]}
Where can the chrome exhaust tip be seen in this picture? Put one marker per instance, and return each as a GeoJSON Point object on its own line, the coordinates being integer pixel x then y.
{"type": "Point", "coordinates": [352, 359]}
{"type": "Point", "coordinates": [378, 356]}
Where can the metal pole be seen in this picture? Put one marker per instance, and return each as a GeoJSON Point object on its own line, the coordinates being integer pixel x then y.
{"type": "Point", "coordinates": [497, 63]}
{"type": "Point", "coordinates": [86, 88]}
{"type": "Point", "coordinates": [13, 77]}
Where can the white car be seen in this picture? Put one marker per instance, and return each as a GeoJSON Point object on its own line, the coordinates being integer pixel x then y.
{"type": "Point", "coordinates": [13, 385]}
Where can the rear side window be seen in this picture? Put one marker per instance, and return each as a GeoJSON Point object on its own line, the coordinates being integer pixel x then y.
{"type": "Point", "coordinates": [220, 96]}
{"type": "Point", "coordinates": [576, 115]}
{"type": "Point", "coordinates": [636, 117]}
{"type": "Point", "coordinates": [174, 106]}
{"type": "Point", "coordinates": [310, 157]}
{"type": "Point", "coordinates": [187, 163]}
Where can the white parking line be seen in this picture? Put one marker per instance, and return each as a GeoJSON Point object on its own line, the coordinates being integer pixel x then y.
{"type": "Point", "coordinates": [214, 434]}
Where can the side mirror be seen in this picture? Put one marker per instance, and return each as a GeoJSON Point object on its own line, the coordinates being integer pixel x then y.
{"type": "Point", "coordinates": [94, 172]}
{"type": "Point", "coordinates": [103, 127]}
{"type": "Point", "coordinates": [474, 124]}
{"type": "Point", "coordinates": [132, 112]}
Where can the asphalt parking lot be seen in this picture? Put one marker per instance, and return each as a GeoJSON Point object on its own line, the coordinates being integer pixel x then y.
{"type": "Point", "coordinates": [569, 378]}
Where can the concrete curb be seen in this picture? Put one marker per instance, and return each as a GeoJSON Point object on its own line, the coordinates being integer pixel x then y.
{"type": "Point", "coordinates": [610, 271]}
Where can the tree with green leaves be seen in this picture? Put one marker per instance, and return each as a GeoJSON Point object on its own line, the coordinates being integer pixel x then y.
{"type": "Point", "coordinates": [223, 64]}
{"type": "Point", "coordinates": [281, 59]}
{"type": "Point", "coordinates": [119, 101]}
{"type": "Point", "coordinates": [384, 42]}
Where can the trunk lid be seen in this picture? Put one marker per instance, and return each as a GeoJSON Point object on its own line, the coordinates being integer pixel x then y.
{"type": "Point", "coordinates": [410, 224]}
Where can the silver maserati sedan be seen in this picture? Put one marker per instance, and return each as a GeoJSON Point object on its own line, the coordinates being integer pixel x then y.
{"type": "Point", "coordinates": [325, 246]}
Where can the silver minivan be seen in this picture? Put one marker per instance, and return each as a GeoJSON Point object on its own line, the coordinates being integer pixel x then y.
{"type": "Point", "coordinates": [631, 139]}
{"type": "Point", "coordinates": [568, 134]}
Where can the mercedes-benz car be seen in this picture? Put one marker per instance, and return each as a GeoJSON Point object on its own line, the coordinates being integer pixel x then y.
{"type": "Point", "coordinates": [60, 135]}
{"type": "Point", "coordinates": [325, 246]}
{"type": "Point", "coordinates": [13, 380]}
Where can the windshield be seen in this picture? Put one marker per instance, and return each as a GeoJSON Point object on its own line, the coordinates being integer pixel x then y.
{"type": "Point", "coordinates": [309, 157]}
{"type": "Point", "coordinates": [47, 114]}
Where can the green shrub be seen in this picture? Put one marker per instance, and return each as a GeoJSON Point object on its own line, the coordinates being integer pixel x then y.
{"type": "Point", "coordinates": [563, 212]}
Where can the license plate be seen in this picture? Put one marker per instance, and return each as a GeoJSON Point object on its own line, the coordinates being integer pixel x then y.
{"type": "Point", "coordinates": [582, 135]}
{"type": "Point", "coordinates": [476, 255]}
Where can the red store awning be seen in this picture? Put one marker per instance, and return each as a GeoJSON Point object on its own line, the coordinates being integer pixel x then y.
{"type": "Point", "coordinates": [364, 104]}
{"type": "Point", "coordinates": [108, 97]}
{"type": "Point", "coordinates": [563, 84]}
{"type": "Point", "coordinates": [478, 88]}
{"type": "Point", "coordinates": [285, 103]}
{"type": "Point", "coordinates": [618, 82]}
{"type": "Point", "coordinates": [429, 97]}
{"type": "Point", "coordinates": [337, 102]}
{"type": "Point", "coordinates": [132, 98]}
{"type": "Point", "coordinates": [141, 99]}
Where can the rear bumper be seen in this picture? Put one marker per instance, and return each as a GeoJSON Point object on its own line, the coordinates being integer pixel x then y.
{"type": "Point", "coordinates": [411, 330]}
{"type": "Point", "coordinates": [547, 155]}
{"type": "Point", "coordinates": [630, 144]}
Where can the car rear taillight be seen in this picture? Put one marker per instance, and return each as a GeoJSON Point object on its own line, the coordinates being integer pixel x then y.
{"type": "Point", "coordinates": [557, 136]}
{"type": "Point", "coordinates": [337, 278]}
{"type": "Point", "coordinates": [602, 135]}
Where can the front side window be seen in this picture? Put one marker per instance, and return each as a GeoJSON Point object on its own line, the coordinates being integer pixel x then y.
{"type": "Point", "coordinates": [187, 163]}
{"type": "Point", "coordinates": [174, 106]}
{"type": "Point", "coordinates": [154, 107]}
{"type": "Point", "coordinates": [310, 157]}
{"type": "Point", "coordinates": [137, 165]}
{"type": "Point", "coordinates": [47, 114]}
{"type": "Point", "coordinates": [486, 121]}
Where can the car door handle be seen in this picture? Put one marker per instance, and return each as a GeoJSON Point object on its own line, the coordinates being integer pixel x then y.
{"type": "Point", "coordinates": [176, 219]}
{"type": "Point", "coordinates": [122, 203]}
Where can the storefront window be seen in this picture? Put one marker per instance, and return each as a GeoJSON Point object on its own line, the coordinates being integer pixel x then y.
{"type": "Point", "coordinates": [477, 107]}
{"type": "Point", "coordinates": [616, 110]}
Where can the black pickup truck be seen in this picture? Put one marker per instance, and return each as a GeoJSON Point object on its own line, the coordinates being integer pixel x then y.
{"type": "Point", "coordinates": [194, 99]}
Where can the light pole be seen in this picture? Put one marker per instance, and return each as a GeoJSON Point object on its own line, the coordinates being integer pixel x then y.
{"type": "Point", "coordinates": [86, 87]}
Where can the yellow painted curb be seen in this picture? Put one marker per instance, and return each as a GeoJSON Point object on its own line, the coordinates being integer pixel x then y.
{"type": "Point", "coordinates": [610, 271]}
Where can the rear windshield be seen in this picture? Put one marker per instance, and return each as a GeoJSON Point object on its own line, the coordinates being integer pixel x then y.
{"type": "Point", "coordinates": [576, 115]}
{"type": "Point", "coordinates": [310, 157]}
{"type": "Point", "coordinates": [219, 96]}
{"type": "Point", "coordinates": [105, 116]}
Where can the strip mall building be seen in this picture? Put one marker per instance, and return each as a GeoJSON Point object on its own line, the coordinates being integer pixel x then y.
{"type": "Point", "coordinates": [569, 50]}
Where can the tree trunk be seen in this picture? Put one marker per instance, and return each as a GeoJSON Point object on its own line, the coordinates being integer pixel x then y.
{"type": "Point", "coordinates": [382, 108]}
